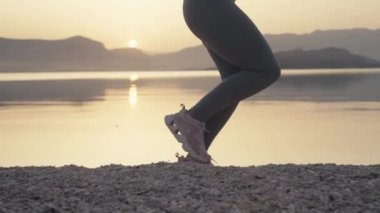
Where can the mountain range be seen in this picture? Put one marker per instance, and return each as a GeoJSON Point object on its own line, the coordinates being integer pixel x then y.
{"type": "Point", "coordinates": [320, 49]}
{"type": "Point", "coordinates": [365, 42]}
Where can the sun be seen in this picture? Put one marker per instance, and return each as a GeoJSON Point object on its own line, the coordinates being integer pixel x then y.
{"type": "Point", "coordinates": [132, 43]}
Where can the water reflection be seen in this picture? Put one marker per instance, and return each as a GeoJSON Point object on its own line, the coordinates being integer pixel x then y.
{"type": "Point", "coordinates": [134, 77]}
{"type": "Point", "coordinates": [328, 86]}
{"type": "Point", "coordinates": [74, 91]}
{"type": "Point", "coordinates": [303, 118]}
{"type": "Point", "coordinates": [133, 96]}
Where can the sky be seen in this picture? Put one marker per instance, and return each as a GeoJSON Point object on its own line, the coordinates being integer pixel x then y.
{"type": "Point", "coordinates": [158, 25]}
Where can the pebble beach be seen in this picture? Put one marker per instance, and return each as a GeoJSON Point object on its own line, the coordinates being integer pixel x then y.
{"type": "Point", "coordinates": [191, 187]}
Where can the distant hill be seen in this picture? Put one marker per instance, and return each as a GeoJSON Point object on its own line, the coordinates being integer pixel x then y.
{"type": "Point", "coordinates": [323, 58]}
{"type": "Point", "coordinates": [363, 42]}
{"type": "Point", "coordinates": [331, 57]}
{"type": "Point", "coordinates": [359, 41]}
{"type": "Point", "coordinates": [129, 58]}
{"type": "Point", "coordinates": [83, 54]}
{"type": "Point", "coordinates": [188, 58]}
{"type": "Point", "coordinates": [77, 51]}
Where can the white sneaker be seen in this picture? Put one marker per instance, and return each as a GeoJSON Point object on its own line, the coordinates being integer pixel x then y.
{"type": "Point", "coordinates": [191, 133]}
{"type": "Point", "coordinates": [169, 121]}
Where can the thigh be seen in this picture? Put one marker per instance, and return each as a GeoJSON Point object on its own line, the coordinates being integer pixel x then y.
{"type": "Point", "coordinates": [224, 67]}
{"type": "Point", "coordinates": [232, 35]}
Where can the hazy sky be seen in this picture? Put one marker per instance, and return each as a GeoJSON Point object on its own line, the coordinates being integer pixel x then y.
{"type": "Point", "coordinates": [158, 25]}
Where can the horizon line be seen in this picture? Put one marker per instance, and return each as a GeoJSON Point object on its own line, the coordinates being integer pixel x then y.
{"type": "Point", "coordinates": [182, 48]}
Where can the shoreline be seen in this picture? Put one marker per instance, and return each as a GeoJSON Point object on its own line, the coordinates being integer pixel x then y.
{"type": "Point", "coordinates": [191, 187]}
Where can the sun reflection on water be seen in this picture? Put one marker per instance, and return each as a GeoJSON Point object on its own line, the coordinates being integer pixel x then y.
{"type": "Point", "coordinates": [133, 90]}
{"type": "Point", "coordinates": [133, 96]}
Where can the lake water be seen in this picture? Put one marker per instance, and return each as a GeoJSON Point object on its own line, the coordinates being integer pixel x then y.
{"type": "Point", "coordinates": [99, 118]}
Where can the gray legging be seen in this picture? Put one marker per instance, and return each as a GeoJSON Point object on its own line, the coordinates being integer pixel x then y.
{"type": "Point", "coordinates": [240, 52]}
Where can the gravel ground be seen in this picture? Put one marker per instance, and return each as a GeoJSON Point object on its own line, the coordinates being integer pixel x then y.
{"type": "Point", "coordinates": [189, 187]}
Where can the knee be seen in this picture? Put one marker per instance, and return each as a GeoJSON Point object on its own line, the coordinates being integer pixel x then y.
{"type": "Point", "coordinates": [274, 73]}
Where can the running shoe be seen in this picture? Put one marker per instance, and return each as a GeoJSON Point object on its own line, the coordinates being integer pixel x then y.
{"type": "Point", "coordinates": [189, 132]}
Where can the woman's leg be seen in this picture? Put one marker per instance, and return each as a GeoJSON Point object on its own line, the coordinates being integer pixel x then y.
{"type": "Point", "coordinates": [229, 32]}
{"type": "Point", "coordinates": [217, 121]}
{"type": "Point", "coordinates": [231, 91]}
